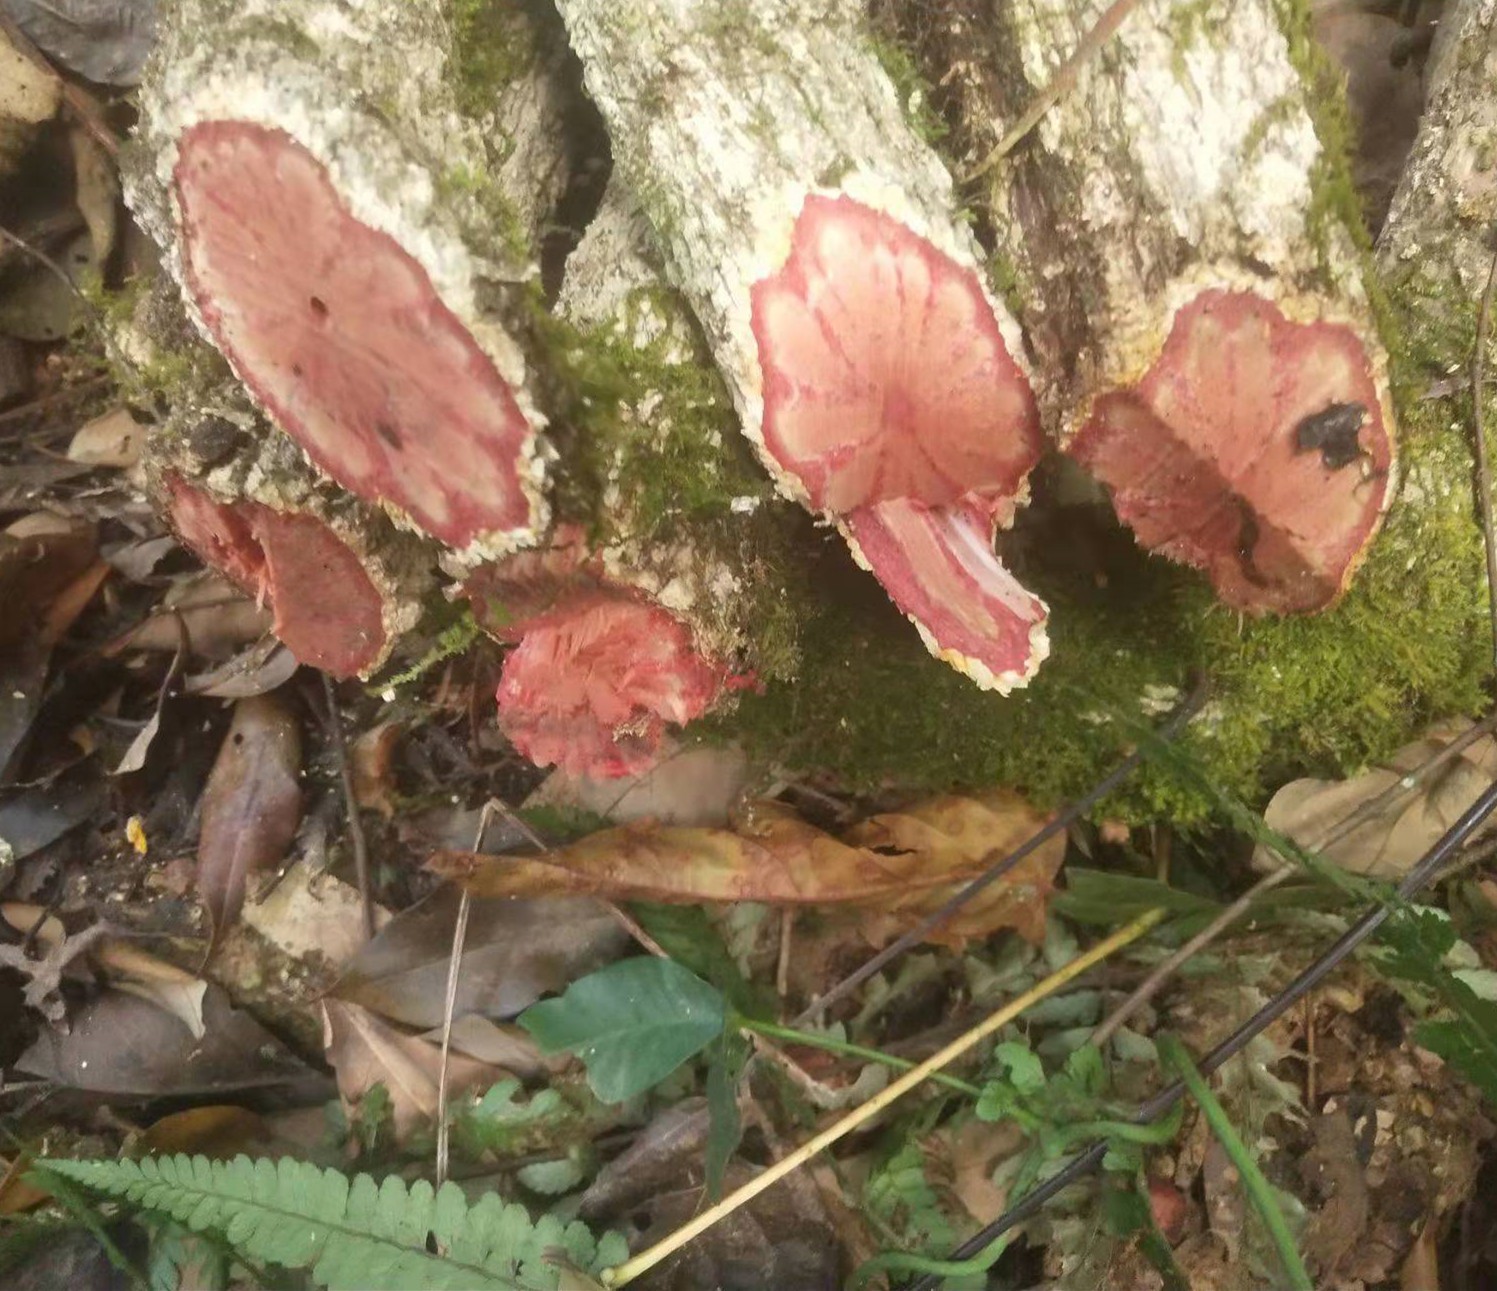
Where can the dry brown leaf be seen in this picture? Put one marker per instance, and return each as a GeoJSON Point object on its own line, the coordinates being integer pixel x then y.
{"type": "Point", "coordinates": [115, 439]}
{"type": "Point", "coordinates": [219, 1131]}
{"type": "Point", "coordinates": [96, 190]}
{"type": "Point", "coordinates": [219, 619]}
{"type": "Point", "coordinates": [693, 786]}
{"type": "Point", "coordinates": [16, 1194]}
{"type": "Point", "coordinates": [311, 914]}
{"type": "Point", "coordinates": [899, 865]}
{"type": "Point", "coordinates": [366, 1051]}
{"type": "Point", "coordinates": [1387, 845]}
{"type": "Point", "coordinates": [372, 761]}
{"type": "Point", "coordinates": [128, 967]}
{"type": "Point", "coordinates": [500, 1044]}
{"type": "Point", "coordinates": [251, 805]}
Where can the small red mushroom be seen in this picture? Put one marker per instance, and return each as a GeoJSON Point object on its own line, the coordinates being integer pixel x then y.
{"type": "Point", "coordinates": [592, 687]}
{"type": "Point", "coordinates": [1255, 449]}
{"type": "Point", "coordinates": [598, 671]}
{"type": "Point", "coordinates": [893, 404]}
{"type": "Point", "coordinates": [326, 609]}
{"type": "Point", "coordinates": [341, 336]}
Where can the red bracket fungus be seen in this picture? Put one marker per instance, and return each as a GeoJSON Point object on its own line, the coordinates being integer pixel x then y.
{"type": "Point", "coordinates": [598, 671]}
{"type": "Point", "coordinates": [892, 404]}
{"type": "Point", "coordinates": [340, 334]}
{"type": "Point", "coordinates": [1255, 448]}
{"type": "Point", "coordinates": [327, 610]}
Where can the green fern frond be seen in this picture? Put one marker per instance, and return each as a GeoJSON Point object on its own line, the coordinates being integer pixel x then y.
{"type": "Point", "coordinates": [354, 1234]}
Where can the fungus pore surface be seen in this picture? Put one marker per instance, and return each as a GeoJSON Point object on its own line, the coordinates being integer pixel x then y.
{"type": "Point", "coordinates": [342, 337]}
{"type": "Point", "coordinates": [326, 609]}
{"type": "Point", "coordinates": [1254, 449]}
{"type": "Point", "coordinates": [892, 404]}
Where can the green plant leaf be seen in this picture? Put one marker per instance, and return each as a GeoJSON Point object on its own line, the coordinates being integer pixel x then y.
{"type": "Point", "coordinates": [632, 1023]}
{"type": "Point", "coordinates": [1101, 897]}
{"type": "Point", "coordinates": [725, 1125]}
{"type": "Point", "coordinates": [352, 1234]}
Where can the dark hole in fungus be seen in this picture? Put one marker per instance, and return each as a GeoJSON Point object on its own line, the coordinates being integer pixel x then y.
{"type": "Point", "coordinates": [389, 434]}
{"type": "Point", "coordinates": [319, 306]}
{"type": "Point", "coordinates": [296, 369]}
{"type": "Point", "coordinates": [1334, 431]}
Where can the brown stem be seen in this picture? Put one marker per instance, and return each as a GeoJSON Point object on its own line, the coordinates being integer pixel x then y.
{"type": "Point", "coordinates": [1483, 466]}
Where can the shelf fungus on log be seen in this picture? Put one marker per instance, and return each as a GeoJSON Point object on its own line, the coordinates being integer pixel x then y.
{"type": "Point", "coordinates": [342, 584]}
{"type": "Point", "coordinates": [659, 595]}
{"type": "Point", "coordinates": [816, 238]}
{"type": "Point", "coordinates": [338, 233]}
{"type": "Point", "coordinates": [1196, 307]}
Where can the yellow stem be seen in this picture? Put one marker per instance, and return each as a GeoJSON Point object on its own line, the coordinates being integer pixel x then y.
{"type": "Point", "coordinates": [648, 1258]}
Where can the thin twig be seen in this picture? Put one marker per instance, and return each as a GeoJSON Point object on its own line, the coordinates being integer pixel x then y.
{"type": "Point", "coordinates": [1000, 864]}
{"type": "Point", "coordinates": [651, 1256]}
{"type": "Point", "coordinates": [351, 806]}
{"type": "Point", "coordinates": [1483, 466]}
{"type": "Point", "coordinates": [1060, 84]}
{"type": "Point", "coordinates": [33, 406]}
{"type": "Point", "coordinates": [449, 998]}
{"type": "Point", "coordinates": [1431, 866]}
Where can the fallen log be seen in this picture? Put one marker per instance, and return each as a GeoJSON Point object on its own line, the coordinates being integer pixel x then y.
{"type": "Point", "coordinates": [816, 239]}
{"type": "Point", "coordinates": [345, 236]}
{"type": "Point", "coordinates": [1205, 343]}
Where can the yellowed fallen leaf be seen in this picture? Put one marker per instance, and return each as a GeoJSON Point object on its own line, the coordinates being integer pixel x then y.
{"type": "Point", "coordinates": [1388, 844]}
{"type": "Point", "coordinates": [365, 1050]}
{"type": "Point", "coordinates": [896, 866]}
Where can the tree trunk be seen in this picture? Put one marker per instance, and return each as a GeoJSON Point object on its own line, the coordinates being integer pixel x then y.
{"type": "Point", "coordinates": [1196, 308]}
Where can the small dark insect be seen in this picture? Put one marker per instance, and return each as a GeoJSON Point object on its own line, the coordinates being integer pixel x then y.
{"type": "Point", "coordinates": [1334, 432]}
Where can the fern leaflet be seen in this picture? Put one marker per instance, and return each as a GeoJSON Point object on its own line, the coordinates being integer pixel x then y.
{"type": "Point", "coordinates": [354, 1234]}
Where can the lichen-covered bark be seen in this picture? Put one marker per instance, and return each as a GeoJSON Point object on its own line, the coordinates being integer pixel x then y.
{"type": "Point", "coordinates": [1324, 693]}
{"type": "Point", "coordinates": [1435, 249]}
{"type": "Point", "coordinates": [344, 233]}
{"type": "Point", "coordinates": [342, 584]}
{"type": "Point", "coordinates": [1190, 299]}
{"type": "Point", "coordinates": [816, 238]}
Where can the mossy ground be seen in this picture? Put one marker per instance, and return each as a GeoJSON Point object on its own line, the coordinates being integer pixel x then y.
{"type": "Point", "coordinates": [1288, 696]}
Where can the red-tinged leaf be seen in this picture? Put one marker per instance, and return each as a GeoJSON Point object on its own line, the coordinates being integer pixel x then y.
{"type": "Point", "coordinates": [900, 865]}
{"type": "Point", "coordinates": [252, 804]}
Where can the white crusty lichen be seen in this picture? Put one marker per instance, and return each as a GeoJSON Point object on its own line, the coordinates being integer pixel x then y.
{"type": "Point", "coordinates": [366, 87]}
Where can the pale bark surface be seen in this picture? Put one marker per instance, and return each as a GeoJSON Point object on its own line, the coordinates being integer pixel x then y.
{"type": "Point", "coordinates": [1184, 157]}
{"type": "Point", "coordinates": [723, 117]}
{"type": "Point", "coordinates": [1437, 239]}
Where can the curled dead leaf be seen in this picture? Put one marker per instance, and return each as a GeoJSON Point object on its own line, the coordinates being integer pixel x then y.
{"type": "Point", "coordinates": [251, 805]}
{"type": "Point", "coordinates": [1386, 845]}
{"type": "Point", "coordinates": [893, 867]}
